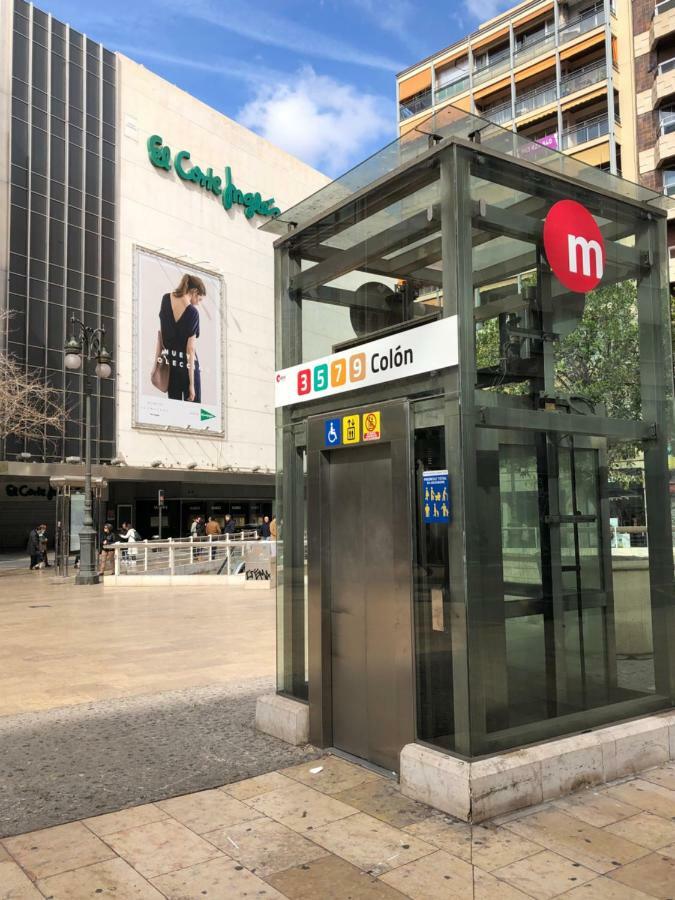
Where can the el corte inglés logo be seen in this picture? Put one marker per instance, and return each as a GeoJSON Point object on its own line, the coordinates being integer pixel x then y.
{"type": "Point", "coordinates": [160, 156]}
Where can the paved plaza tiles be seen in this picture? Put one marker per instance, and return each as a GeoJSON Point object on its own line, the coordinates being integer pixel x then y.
{"type": "Point", "coordinates": [329, 830]}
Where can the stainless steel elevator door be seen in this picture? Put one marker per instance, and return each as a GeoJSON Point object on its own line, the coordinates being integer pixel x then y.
{"type": "Point", "coordinates": [366, 622]}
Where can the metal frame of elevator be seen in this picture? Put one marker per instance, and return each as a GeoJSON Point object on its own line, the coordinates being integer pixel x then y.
{"type": "Point", "coordinates": [471, 419]}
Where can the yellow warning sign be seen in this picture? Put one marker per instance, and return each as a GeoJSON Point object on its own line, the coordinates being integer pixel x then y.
{"type": "Point", "coordinates": [371, 426]}
{"type": "Point", "coordinates": [351, 430]}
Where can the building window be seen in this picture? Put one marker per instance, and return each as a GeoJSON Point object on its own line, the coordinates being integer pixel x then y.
{"type": "Point", "coordinates": [669, 182]}
{"type": "Point", "coordinates": [667, 119]}
{"type": "Point", "coordinates": [664, 7]}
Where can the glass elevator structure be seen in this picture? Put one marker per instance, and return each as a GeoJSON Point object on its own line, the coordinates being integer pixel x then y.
{"type": "Point", "coordinates": [450, 417]}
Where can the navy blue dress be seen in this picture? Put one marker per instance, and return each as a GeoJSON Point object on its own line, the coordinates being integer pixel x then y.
{"type": "Point", "coordinates": [175, 336]}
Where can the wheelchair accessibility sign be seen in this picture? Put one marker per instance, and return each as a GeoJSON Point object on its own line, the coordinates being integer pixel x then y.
{"type": "Point", "coordinates": [333, 432]}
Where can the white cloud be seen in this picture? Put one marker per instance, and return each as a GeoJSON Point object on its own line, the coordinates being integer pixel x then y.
{"type": "Point", "coordinates": [327, 123]}
{"type": "Point", "coordinates": [486, 9]}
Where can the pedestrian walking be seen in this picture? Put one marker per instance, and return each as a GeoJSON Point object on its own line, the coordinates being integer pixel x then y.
{"type": "Point", "coordinates": [106, 560]}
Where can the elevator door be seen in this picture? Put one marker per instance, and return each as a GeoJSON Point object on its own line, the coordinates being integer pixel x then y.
{"type": "Point", "coordinates": [361, 684]}
{"type": "Point", "coordinates": [363, 622]}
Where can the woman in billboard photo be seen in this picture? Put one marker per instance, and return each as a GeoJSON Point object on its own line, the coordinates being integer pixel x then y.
{"type": "Point", "coordinates": [179, 330]}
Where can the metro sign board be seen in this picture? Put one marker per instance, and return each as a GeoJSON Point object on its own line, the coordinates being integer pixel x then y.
{"type": "Point", "coordinates": [574, 245]}
{"type": "Point", "coordinates": [401, 355]}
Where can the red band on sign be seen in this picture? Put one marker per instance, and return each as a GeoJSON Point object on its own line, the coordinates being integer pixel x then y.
{"type": "Point", "coordinates": [574, 245]}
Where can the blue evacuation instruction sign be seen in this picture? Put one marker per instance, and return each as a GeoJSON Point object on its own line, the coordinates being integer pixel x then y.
{"type": "Point", "coordinates": [436, 496]}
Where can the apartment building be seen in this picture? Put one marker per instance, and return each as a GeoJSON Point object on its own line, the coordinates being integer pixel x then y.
{"type": "Point", "coordinates": [654, 43]}
{"type": "Point", "coordinates": [556, 71]}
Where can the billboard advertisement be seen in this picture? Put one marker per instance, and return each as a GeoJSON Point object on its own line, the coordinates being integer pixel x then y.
{"type": "Point", "coordinates": [178, 358]}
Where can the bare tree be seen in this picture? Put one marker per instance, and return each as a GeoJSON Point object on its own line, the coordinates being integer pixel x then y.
{"type": "Point", "coordinates": [29, 408]}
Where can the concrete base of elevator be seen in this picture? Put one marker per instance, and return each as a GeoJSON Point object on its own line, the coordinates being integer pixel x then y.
{"type": "Point", "coordinates": [283, 718]}
{"type": "Point", "coordinates": [480, 790]}
{"type": "Point", "coordinates": [485, 788]}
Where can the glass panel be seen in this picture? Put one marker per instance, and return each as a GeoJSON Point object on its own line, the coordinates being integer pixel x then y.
{"type": "Point", "coordinates": [431, 602]}
{"type": "Point", "coordinates": [393, 277]}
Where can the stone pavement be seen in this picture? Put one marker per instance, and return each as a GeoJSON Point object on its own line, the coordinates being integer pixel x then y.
{"type": "Point", "coordinates": [114, 696]}
{"type": "Point", "coordinates": [328, 830]}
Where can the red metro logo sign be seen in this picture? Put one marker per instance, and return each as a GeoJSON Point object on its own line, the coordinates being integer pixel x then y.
{"type": "Point", "coordinates": [574, 245]}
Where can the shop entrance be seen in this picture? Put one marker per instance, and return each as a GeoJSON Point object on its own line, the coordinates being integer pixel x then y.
{"type": "Point", "coordinates": [360, 583]}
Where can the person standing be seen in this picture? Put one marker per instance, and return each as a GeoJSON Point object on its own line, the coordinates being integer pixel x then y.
{"type": "Point", "coordinates": [265, 528]}
{"type": "Point", "coordinates": [229, 525]}
{"type": "Point", "coordinates": [213, 529]}
{"type": "Point", "coordinates": [33, 548]}
{"type": "Point", "coordinates": [107, 556]}
{"type": "Point", "coordinates": [44, 544]}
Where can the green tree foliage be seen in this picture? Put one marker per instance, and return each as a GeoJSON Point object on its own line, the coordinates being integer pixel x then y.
{"type": "Point", "coordinates": [598, 360]}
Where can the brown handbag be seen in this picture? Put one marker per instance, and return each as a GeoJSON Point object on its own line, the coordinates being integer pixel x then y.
{"type": "Point", "coordinates": [160, 370]}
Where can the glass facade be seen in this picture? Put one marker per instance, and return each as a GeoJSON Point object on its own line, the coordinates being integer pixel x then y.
{"type": "Point", "coordinates": [62, 218]}
{"type": "Point", "coordinates": [530, 618]}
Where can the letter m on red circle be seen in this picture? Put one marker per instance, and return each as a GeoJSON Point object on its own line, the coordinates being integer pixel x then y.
{"type": "Point", "coordinates": [574, 245]}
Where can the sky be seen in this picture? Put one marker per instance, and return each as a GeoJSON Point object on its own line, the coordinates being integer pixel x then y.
{"type": "Point", "coordinates": [316, 77]}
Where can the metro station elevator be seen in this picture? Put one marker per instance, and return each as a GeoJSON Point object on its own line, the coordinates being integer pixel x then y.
{"type": "Point", "coordinates": [515, 620]}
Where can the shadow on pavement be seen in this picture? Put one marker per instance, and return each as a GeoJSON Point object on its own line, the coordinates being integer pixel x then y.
{"type": "Point", "coordinates": [65, 764]}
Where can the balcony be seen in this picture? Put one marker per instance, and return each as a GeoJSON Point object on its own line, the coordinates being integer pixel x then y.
{"type": "Point", "coordinates": [500, 114]}
{"type": "Point", "coordinates": [665, 144]}
{"type": "Point", "coordinates": [413, 105]}
{"type": "Point", "coordinates": [541, 96]}
{"type": "Point", "coordinates": [664, 83]}
{"type": "Point", "coordinates": [450, 90]}
{"type": "Point", "coordinates": [583, 78]}
{"type": "Point", "coordinates": [583, 132]}
{"type": "Point", "coordinates": [581, 25]}
{"type": "Point", "coordinates": [496, 65]}
{"type": "Point", "coordinates": [663, 23]}
{"type": "Point", "coordinates": [532, 47]}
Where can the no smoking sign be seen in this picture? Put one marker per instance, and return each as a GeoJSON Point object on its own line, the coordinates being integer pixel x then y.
{"type": "Point", "coordinates": [371, 426]}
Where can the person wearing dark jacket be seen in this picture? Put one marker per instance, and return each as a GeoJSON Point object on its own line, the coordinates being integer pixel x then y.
{"type": "Point", "coordinates": [107, 555]}
{"type": "Point", "coordinates": [34, 548]}
{"type": "Point", "coordinates": [229, 526]}
{"type": "Point", "coordinates": [265, 528]}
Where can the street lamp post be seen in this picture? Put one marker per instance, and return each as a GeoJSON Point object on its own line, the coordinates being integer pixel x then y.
{"type": "Point", "coordinates": [86, 346]}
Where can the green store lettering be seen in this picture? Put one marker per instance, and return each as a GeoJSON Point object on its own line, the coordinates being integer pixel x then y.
{"type": "Point", "coordinates": [160, 156]}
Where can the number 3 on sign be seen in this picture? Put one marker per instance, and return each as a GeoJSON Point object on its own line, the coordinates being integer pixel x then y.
{"type": "Point", "coordinates": [304, 381]}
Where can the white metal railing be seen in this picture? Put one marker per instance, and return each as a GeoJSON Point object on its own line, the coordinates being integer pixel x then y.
{"type": "Point", "coordinates": [530, 49]}
{"type": "Point", "coordinates": [223, 554]}
{"type": "Point", "coordinates": [452, 88]}
{"type": "Point", "coordinates": [414, 105]}
{"type": "Point", "coordinates": [495, 65]}
{"type": "Point", "coordinates": [585, 131]}
{"type": "Point", "coordinates": [541, 96]}
{"type": "Point", "coordinates": [589, 75]}
{"type": "Point", "coordinates": [498, 114]}
{"type": "Point", "coordinates": [584, 23]}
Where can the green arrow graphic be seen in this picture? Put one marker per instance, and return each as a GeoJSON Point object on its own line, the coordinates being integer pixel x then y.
{"type": "Point", "coordinates": [205, 414]}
